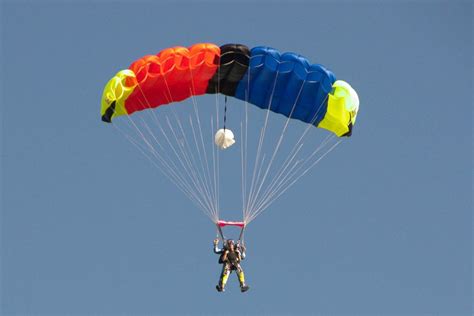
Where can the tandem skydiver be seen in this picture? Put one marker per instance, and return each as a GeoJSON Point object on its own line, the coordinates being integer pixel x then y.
{"type": "Point", "coordinates": [230, 257]}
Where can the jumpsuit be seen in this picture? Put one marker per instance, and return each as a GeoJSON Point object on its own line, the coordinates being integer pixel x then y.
{"type": "Point", "coordinates": [232, 263]}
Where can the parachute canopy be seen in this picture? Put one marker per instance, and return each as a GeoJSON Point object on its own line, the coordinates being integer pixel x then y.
{"type": "Point", "coordinates": [284, 83]}
{"type": "Point", "coordinates": [274, 153]}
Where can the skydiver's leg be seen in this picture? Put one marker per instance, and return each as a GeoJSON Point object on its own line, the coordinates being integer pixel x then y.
{"type": "Point", "coordinates": [240, 272]}
{"type": "Point", "coordinates": [224, 276]}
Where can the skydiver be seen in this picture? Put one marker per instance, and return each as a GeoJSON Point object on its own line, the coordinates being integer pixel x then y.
{"type": "Point", "coordinates": [230, 257]}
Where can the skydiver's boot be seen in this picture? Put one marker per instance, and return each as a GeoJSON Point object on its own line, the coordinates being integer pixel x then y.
{"type": "Point", "coordinates": [243, 287]}
{"type": "Point", "coordinates": [219, 288]}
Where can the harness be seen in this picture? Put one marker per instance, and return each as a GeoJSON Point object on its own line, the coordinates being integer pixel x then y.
{"type": "Point", "coordinates": [220, 234]}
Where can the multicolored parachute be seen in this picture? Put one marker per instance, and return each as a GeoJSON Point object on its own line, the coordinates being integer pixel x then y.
{"type": "Point", "coordinates": [286, 83]}
{"type": "Point", "coordinates": [283, 83]}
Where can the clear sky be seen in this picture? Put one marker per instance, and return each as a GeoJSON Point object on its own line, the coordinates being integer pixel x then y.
{"type": "Point", "coordinates": [382, 226]}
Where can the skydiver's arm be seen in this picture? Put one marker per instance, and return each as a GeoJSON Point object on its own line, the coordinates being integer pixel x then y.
{"type": "Point", "coordinates": [239, 255]}
{"type": "Point", "coordinates": [242, 252]}
{"type": "Point", "coordinates": [217, 250]}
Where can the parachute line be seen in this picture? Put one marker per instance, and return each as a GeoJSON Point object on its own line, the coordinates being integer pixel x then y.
{"type": "Point", "coordinates": [208, 179]}
{"type": "Point", "coordinates": [285, 187]}
{"type": "Point", "coordinates": [260, 143]}
{"type": "Point", "coordinates": [167, 171]}
{"type": "Point", "coordinates": [279, 141]}
{"type": "Point", "coordinates": [291, 156]}
{"type": "Point", "coordinates": [190, 175]}
{"type": "Point", "coordinates": [188, 192]}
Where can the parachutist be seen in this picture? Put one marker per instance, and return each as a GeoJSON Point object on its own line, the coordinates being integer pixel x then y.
{"type": "Point", "coordinates": [230, 257]}
{"type": "Point", "coordinates": [306, 92]}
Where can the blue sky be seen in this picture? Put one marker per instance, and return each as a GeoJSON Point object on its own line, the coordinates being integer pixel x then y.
{"type": "Point", "coordinates": [382, 226]}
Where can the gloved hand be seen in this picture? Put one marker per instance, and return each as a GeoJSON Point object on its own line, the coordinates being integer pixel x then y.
{"type": "Point", "coordinates": [216, 241]}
